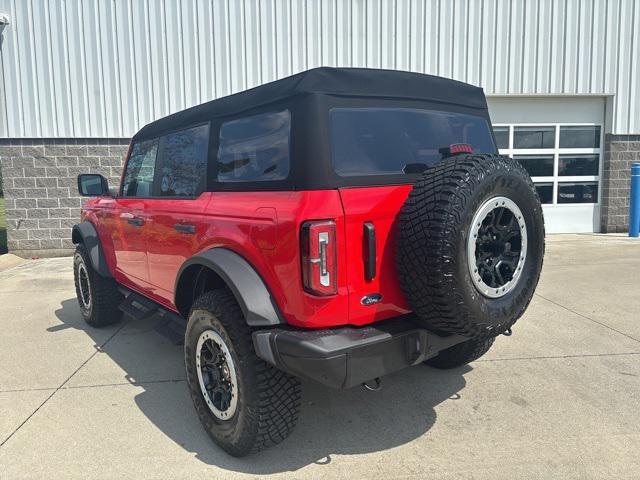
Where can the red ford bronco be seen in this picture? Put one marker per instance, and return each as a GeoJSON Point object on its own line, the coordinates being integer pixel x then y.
{"type": "Point", "coordinates": [337, 225]}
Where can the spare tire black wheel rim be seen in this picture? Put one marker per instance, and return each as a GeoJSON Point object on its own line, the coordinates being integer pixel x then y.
{"type": "Point", "coordinates": [216, 375]}
{"type": "Point", "coordinates": [497, 247]}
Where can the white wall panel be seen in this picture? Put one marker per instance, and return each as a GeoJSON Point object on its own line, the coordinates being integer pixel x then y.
{"type": "Point", "coordinates": [104, 68]}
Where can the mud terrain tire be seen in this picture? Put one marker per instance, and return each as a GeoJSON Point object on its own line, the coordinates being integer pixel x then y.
{"type": "Point", "coordinates": [268, 400]}
{"type": "Point", "coordinates": [98, 297]}
{"type": "Point", "coordinates": [443, 211]}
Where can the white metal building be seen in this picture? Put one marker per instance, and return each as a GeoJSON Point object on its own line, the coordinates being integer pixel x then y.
{"type": "Point", "coordinates": [83, 69]}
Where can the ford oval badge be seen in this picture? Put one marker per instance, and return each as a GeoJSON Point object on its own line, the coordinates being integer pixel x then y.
{"type": "Point", "coordinates": [371, 299]}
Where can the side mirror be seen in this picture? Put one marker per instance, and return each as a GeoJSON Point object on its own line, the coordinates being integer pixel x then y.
{"type": "Point", "coordinates": [92, 185]}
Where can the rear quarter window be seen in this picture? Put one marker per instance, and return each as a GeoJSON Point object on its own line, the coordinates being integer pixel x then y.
{"type": "Point", "coordinates": [382, 141]}
{"type": "Point", "coordinates": [255, 148]}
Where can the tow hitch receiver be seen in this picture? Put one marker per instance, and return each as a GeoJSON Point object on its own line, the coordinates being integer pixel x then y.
{"type": "Point", "coordinates": [377, 385]}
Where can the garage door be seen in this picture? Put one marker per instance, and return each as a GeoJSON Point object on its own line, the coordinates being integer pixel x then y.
{"type": "Point", "coordinates": [559, 141]}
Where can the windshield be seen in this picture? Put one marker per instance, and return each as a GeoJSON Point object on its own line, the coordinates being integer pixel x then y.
{"type": "Point", "coordinates": [382, 141]}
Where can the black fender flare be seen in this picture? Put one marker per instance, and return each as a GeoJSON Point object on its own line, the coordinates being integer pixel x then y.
{"type": "Point", "coordinates": [251, 293]}
{"type": "Point", "coordinates": [87, 234]}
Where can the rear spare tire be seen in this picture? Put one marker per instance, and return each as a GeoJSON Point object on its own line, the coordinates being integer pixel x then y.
{"type": "Point", "coordinates": [471, 244]}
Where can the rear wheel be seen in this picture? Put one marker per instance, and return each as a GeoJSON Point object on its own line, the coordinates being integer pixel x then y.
{"type": "Point", "coordinates": [471, 245]}
{"type": "Point", "coordinates": [461, 354]}
{"type": "Point", "coordinates": [98, 297]}
{"type": "Point", "coordinates": [244, 404]}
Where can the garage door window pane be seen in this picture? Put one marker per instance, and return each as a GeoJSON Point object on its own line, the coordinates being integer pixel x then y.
{"type": "Point", "coordinates": [580, 137]}
{"type": "Point", "coordinates": [537, 165]}
{"type": "Point", "coordinates": [578, 192]}
{"type": "Point", "coordinates": [502, 137]}
{"type": "Point", "coordinates": [545, 192]}
{"type": "Point", "coordinates": [534, 137]}
{"type": "Point", "coordinates": [578, 165]}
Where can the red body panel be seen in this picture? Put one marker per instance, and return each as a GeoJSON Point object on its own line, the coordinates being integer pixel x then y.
{"type": "Point", "coordinates": [167, 247]}
{"type": "Point", "coordinates": [380, 206]}
{"type": "Point", "coordinates": [264, 228]}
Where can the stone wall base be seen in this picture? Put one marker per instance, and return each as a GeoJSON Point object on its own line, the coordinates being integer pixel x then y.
{"type": "Point", "coordinates": [40, 188]}
{"type": "Point", "coordinates": [620, 152]}
{"type": "Point", "coordinates": [48, 253]}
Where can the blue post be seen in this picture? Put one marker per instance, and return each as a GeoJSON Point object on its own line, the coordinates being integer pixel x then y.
{"type": "Point", "coordinates": [634, 201]}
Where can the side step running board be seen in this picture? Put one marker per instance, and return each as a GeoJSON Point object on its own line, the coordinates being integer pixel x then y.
{"type": "Point", "coordinates": [137, 306]}
{"type": "Point", "coordinates": [170, 325]}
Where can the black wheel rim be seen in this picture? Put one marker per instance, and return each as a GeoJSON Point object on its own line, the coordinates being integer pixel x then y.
{"type": "Point", "coordinates": [496, 248]}
{"type": "Point", "coordinates": [84, 286]}
{"type": "Point", "coordinates": [216, 375]}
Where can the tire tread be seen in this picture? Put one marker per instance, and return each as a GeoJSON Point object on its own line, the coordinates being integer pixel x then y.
{"type": "Point", "coordinates": [274, 411]}
{"type": "Point", "coordinates": [429, 224]}
{"type": "Point", "coordinates": [105, 295]}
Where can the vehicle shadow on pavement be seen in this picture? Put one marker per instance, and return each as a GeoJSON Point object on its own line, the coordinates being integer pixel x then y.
{"type": "Point", "coordinates": [331, 422]}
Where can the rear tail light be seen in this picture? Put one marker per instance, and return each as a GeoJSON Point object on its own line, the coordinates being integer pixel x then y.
{"type": "Point", "coordinates": [319, 264]}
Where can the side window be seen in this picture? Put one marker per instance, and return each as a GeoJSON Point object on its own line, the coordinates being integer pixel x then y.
{"type": "Point", "coordinates": [183, 162]}
{"type": "Point", "coordinates": [138, 177]}
{"type": "Point", "coordinates": [255, 148]}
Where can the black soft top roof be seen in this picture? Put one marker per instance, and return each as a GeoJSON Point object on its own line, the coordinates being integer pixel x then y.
{"type": "Point", "coordinates": [349, 82]}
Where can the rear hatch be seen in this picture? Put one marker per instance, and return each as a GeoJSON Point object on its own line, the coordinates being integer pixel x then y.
{"type": "Point", "coordinates": [386, 150]}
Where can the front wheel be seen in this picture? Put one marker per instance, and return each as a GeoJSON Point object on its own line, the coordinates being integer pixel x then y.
{"type": "Point", "coordinates": [98, 297]}
{"type": "Point", "coordinates": [244, 404]}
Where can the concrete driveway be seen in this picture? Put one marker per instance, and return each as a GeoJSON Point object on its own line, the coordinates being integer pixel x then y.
{"type": "Point", "coordinates": [558, 399]}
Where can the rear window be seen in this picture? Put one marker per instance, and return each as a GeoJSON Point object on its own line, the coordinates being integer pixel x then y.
{"type": "Point", "coordinates": [383, 141]}
{"type": "Point", "coordinates": [255, 148]}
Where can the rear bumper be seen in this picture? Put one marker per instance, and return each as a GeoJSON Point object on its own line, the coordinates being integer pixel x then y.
{"type": "Point", "coordinates": [348, 356]}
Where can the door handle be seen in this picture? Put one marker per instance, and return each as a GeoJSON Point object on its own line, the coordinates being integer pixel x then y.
{"type": "Point", "coordinates": [369, 251]}
{"type": "Point", "coordinates": [185, 228]}
{"type": "Point", "coordinates": [136, 221]}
